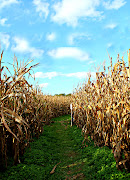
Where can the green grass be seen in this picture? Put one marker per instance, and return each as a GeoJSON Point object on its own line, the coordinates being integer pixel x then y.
{"type": "Point", "coordinates": [62, 143]}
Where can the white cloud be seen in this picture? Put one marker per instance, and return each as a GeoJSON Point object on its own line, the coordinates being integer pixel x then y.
{"type": "Point", "coordinates": [50, 75]}
{"type": "Point", "coordinates": [111, 26]}
{"type": "Point", "coordinates": [69, 52]}
{"type": "Point", "coordinates": [51, 36]}
{"type": "Point", "coordinates": [4, 39]}
{"type": "Point", "coordinates": [77, 74]}
{"type": "Point", "coordinates": [43, 85]}
{"type": "Point", "coordinates": [41, 8]}
{"type": "Point", "coordinates": [80, 75]}
{"type": "Point", "coordinates": [36, 52]}
{"type": "Point", "coordinates": [92, 62]}
{"type": "Point", "coordinates": [2, 21]}
{"type": "Point", "coordinates": [22, 46]}
{"type": "Point", "coordinates": [5, 3]}
{"type": "Point", "coordinates": [109, 45]}
{"type": "Point", "coordinates": [69, 11]}
{"type": "Point", "coordinates": [46, 75]}
{"type": "Point", "coordinates": [80, 36]}
{"type": "Point", "coordinates": [115, 4]}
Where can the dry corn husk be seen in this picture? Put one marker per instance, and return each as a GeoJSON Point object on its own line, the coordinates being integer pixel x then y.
{"type": "Point", "coordinates": [24, 110]}
{"type": "Point", "coordinates": [102, 110]}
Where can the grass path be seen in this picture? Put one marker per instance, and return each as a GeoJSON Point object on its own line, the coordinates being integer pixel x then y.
{"type": "Point", "coordinates": [59, 154]}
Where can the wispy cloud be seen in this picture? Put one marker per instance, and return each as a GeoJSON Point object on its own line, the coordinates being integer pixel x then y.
{"type": "Point", "coordinates": [4, 39]}
{"type": "Point", "coordinates": [92, 62]}
{"type": "Point", "coordinates": [109, 45]}
{"type": "Point", "coordinates": [70, 11]}
{"type": "Point", "coordinates": [47, 75]}
{"type": "Point", "coordinates": [22, 46]}
{"type": "Point", "coordinates": [51, 75]}
{"type": "Point", "coordinates": [69, 52]}
{"type": "Point", "coordinates": [41, 8]}
{"type": "Point", "coordinates": [38, 37]}
{"type": "Point", "coordinates": [77, 36]}
{"type": "Point", "coordinates": [51, 36]}
{"type": "Point", "coordinates": [111, 26]}
{"type": "Point", "coordinates": [115, 4]}
{"type": "Point", "coordinates": [3, 22]}
{"type": "Point", "coordinates": [43, 85]}
{"type": "Point", "coordinates": [5, 3]}
{"type": "Point", "coordinates": [79, 75]}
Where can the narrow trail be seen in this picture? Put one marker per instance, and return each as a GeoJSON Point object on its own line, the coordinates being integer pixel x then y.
{"type": "Point", "coordinates": [58, 154]}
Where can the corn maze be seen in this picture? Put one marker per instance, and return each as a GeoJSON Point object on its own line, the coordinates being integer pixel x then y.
{"type": "Point", "coordinates": [102, 110]}
{"type": "Point", "coordinates": [24, 111]}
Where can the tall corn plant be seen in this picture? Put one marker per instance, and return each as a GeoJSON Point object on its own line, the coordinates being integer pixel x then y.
{"type": "Point", "coordinates": [102, 110]}
{"type": "Point", "coordinates": [24, 111]}
{"type": "Point", "coordinates": [13, 128]}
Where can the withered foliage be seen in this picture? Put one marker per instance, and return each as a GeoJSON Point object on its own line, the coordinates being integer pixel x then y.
{"type": "Point", "coordinates": [23, 111]}
{"type": "Point", "coordinates": [102, 110]}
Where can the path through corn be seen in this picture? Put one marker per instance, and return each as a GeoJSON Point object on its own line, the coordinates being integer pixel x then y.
{"type": "Point", "coordinates": [59, 154]}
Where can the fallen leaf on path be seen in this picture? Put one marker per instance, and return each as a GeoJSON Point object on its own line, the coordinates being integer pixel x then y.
{"type": "Point", "coordinates": [77, 176]}
{"type": "Point", "coordinates": [53, 170]}
{"type": "Point", "coordinates": [71, 165]}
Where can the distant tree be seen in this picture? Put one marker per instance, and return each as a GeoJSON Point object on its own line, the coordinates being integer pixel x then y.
{"type": "Point", "coordinates": [68, 94]}
{"type": "Point", "coordinates": [60, 94]}
{"type": "Point", "coordinates": [63, 94]}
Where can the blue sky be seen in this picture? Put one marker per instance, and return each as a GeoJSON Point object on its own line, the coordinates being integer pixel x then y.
{"type": "Point", "coordinates": [69, 38]}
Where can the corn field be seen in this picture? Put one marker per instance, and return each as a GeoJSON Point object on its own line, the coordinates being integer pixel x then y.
{"type": "Point", "coordinates": [23, 111]}
{"type": "Point", "coordinates": [102, 110]}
